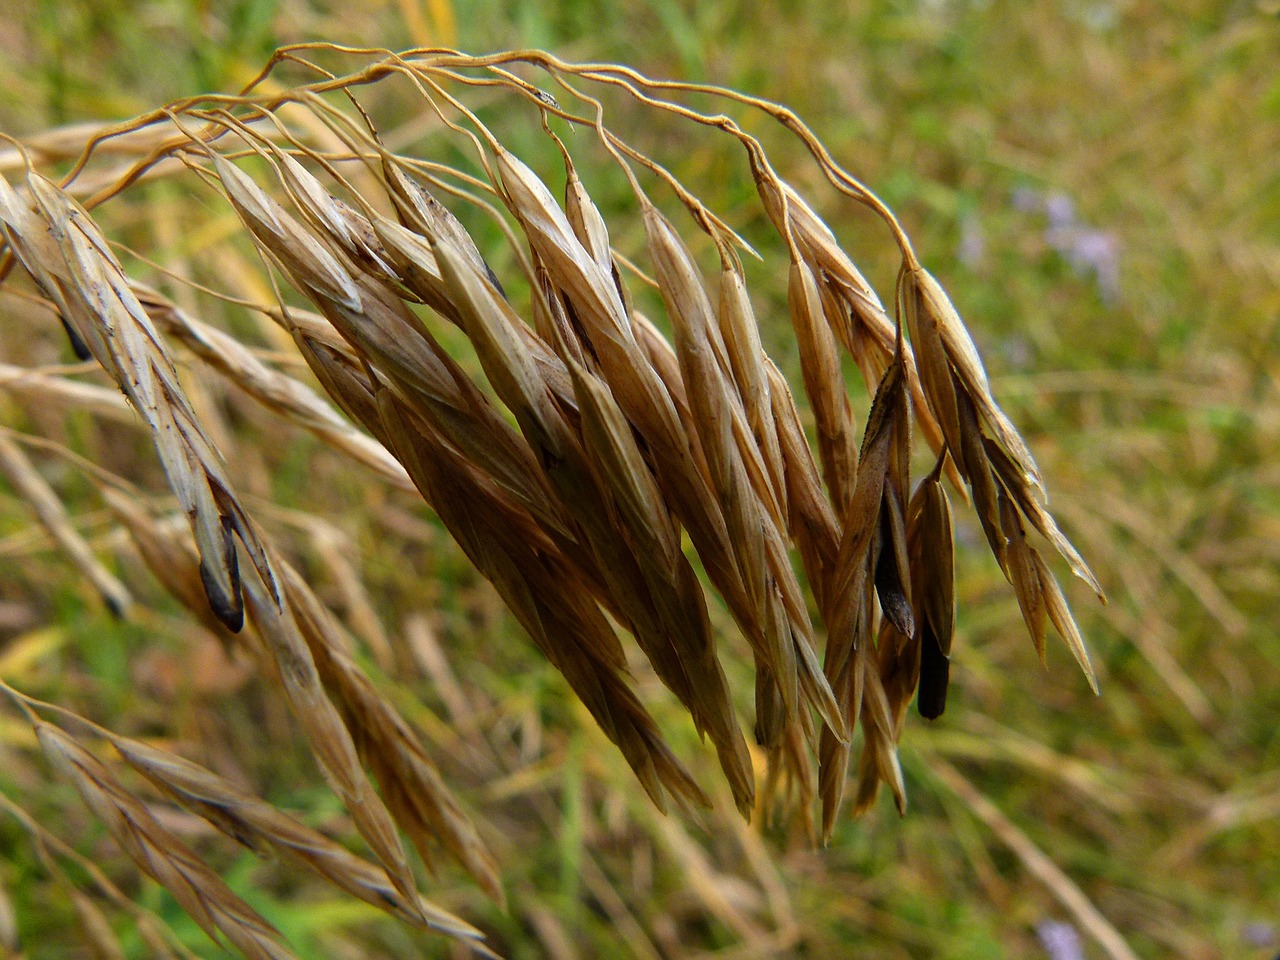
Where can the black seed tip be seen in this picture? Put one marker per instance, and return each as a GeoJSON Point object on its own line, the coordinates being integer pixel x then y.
{"type": "Point", "coordinates": [935, 673]}
{"type": "Point", "coordinates": [118, 606]}
{"type": "Point", "coordinates": [227, 608]}
{"type": "Point", "coordinates": [78, 346]}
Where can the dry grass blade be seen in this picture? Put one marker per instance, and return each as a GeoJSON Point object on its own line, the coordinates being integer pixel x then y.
{"type": "Point", "coordinates": [160, 854]}
{"type": "Point", "coordinates": [262, 828]}
{"type": "Point", "coordinates": [49, 510]}
{"type": "Point", "coordinates": [1038, 863]}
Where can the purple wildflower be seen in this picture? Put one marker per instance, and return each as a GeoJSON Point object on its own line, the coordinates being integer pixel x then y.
{"type": "Point", "coordinates": [1061, 941]}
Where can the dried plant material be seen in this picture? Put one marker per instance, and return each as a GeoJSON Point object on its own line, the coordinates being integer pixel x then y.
{"type": "Point", "coordinates": [281, 394]}
{"type": "Point", "coordinates": [18, 469]}
{"type": "Point", "coordinates": [8, 923]}
{"type": "Point", "coordinates": [823, 383]}
{"type": "Point", "coordinates": [413, 789]}
{"type": "Point", "coordinates": [262, 828]}
{"type": "Point", "coordinates": [49, 387]}
{"type": "Point", "coordinates": [160, 854]}
{"type": "Point", "coordinates": [328, 737]}
{"type": "Point", "coordinates": [561, 439]}
{"type": "Point", "coordinates": [101, 940]}
{"type": "Point", "coordinates": [60, 246]}
{"type": "Point", "coordinates": [549, 602]}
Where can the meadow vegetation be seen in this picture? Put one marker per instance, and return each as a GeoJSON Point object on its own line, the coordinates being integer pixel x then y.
{"type": "Point", "coordinates": [411, 738]}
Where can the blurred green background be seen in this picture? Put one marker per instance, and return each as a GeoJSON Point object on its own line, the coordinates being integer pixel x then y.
{"type": "Point", "coordinates": [1097, 183]}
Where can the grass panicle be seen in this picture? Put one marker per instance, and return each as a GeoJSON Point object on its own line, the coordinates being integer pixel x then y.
{"type": "Point", "coordinates": [608, 478]}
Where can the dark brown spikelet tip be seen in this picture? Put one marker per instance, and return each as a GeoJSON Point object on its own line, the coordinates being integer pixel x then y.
{"type": "Point", "coordinates": [935, 673]}
{"type": "Point", "coordinates": [891, 585]}
{"type": "Point", "coordinates": [227, 607]}
{"type": "Point", "coordinates": [931, 546]}
{"type": "Point", "coordinates": [78, 346]}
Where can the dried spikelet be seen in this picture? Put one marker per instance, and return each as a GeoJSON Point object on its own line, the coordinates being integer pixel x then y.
{"type": "Point", "coordinates": [856, 562]}
{"type": "Point", "coordinates": [854, 311]}
{"type": "Point", "coordinates": [879, 760]}
{"type": "Point", "coordinates": [415, 792]}
{"type": "Point", "coordinates": [50, 388]}
{"type": "Point", "coordinates": [823, 383]}
{"type": "Point", "coordinates": [907, 659]}
{"type": "Point", "coordinates": [759, 546]}
{"type": "Point", "coordinates": [417, 272]}
{"type": "Point", "coordinates": [814, 525]}
{"type": "Point", "coordinates": [376, 322]}
{"type": "Point", "coordinates": [871, 549]}
{"type": "Point", "coordinates": [69, 259]}
{"type": "Point", "coordinates": [99, 938]}
{"type": "Point", "coordinates": [424, 214]}
{"type": "Point", "coordinates": [413, 789]}
{"type": "Point", "coordinates": [931, 550]}
{"type": "Point", "coordinates": [649, 405]}
{"type": "Point", "coordinates": [262, 828]}
{"type": "Point", "coordinates": [550, 603]}
{"type": "Point", "coordinates": [281, 394]}
{"type": "Point", "coordinates": [621, 440]}
{"type": "Point", "coordinates": [935, 307]}
{"type": "Point", "coordinates": [741, 337]}
{"type": "Point", "coordinates": [328, 737]}
{"type": "Point", "coordinates": [1003, 478]}
{"type": "Point", "coordinates": [491, 324]}
{"type": "Point", "coordinates": [160, 854]}
{"type": "Point", "coordinates": [652, 540]}
{"type": "Point", "coordinates": [49, 510]}
{"type": "Point", "coordinates": [640, 391]}
{"type": "Point", "coordinates": [585, 219]}
{"type": "Point", "coordinates": [704, 378]}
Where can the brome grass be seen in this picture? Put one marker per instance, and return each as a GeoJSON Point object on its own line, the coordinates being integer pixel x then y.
{"type": "Point", "coordinates": [607, 479]}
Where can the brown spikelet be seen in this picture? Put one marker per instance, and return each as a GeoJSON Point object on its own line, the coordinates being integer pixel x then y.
{"type": "Point", "coordinates": [18, 469]}
{"type": "Point", "coordinates": [262, 828]}
{"type": "Point", "coordinates": [823, 383]}
{"type": "Point", "coordinates": [328, 737]}
{"type": "Point", "coordinates": [73, 264]}
{"type": "Point", "coordinates": [563, 621]}
{"type": "Point", "coordinates": [283, 395]}
{"type": "Point", "coordinates": [160, 854]}
{"type": "Point", "coordinates": [413, 789]}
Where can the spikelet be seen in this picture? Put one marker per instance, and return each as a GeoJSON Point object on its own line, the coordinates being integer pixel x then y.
{"type": "Point", "coordinates": [160, 854]}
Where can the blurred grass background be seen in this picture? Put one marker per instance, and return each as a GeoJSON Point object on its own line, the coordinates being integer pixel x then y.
{"type": "Point", "coordinates": [1097, 184]}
